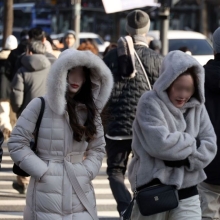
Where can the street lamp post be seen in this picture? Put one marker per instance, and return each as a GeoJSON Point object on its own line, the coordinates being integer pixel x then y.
{"type": "Point", "coordinates": [164, 14]}
{"type": "Point", "coordinates": [76, 18]}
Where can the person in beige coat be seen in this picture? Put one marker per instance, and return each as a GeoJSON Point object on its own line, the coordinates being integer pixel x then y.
{"type": "Point", "coordinates": [71, 143]}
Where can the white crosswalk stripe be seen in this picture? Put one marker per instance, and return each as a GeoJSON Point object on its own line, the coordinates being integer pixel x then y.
{"type": "Point", "coordinates": [12, 203]}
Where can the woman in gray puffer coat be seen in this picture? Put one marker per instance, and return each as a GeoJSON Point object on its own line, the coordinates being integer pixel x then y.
{"type": "Point", "coordinates": [71, 144]}
{"type": "Point", "coordinates": [173, 138]}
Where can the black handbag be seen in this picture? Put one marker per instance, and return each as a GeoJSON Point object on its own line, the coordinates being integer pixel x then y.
{"type": "Point", "coordinates": [153, 200]}
{"type": "Point", "coordinates": [33, 143]}
{"type": "Point", "coordinates": [157, 199]}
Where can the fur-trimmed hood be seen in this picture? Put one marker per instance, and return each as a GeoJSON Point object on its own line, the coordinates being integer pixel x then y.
{"type": "Point", "coordinates": [101, 78]}
{"type": "Point", "coordinates": [174, 64]}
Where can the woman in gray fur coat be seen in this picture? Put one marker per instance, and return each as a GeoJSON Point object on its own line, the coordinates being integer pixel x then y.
{"type": "Point", "coordinates": [71, 142]}
{"type": "Point", "coordinates": [173, 138]}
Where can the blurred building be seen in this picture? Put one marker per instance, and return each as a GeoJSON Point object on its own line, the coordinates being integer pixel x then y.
{"type": "Point", "coordinates": [56, 16]}
{"type": "Point", "coordinates": [198, 15]}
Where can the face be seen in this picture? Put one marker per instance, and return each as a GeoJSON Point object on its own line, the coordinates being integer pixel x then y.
{"type": "Point", "coordinates": [70, 40]}
{"type": "Point", "coordinates": [181, 90]}
{"type": "Point", "coordinates": [76, 78]}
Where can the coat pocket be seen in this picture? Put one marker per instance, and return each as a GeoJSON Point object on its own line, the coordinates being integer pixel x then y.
{"type": "Point", "coordinates": [82, 176]}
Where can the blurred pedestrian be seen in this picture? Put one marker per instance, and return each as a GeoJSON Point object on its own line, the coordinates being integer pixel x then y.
{"type": "Point", "coordinates": [5, 122]}
{"type": "Point", "coordinates": [1, 151]}
{"type": "Point", "coordinates": [11, 67]}
{"type": "Point", "coordinates": [69, 40]}
{"type": "Point", "coordinates": [10, 45]}
{"type": "Point", "coordinates": [87, 45]}
{"type": "Point", "coordinates": [185, 50]}
{"type": "Point", "coordinates": [71, 142]}
{"type": "Point", "coordinates": [55, 50]}
{"type": "Point", "coordinates": [109, 47]}
{"type": "Point", "coordinates": [173, 139]}
{"type": "Point", "coordinates": [28, 83]}
{"type": "Point", "coordinates": [37, 34]}
{"type": "Point", "coordinates": [130, 82]}
{"type": "Point", "coordinates": [14, 59]}
{"type": "Point", "coordinates": [156, 46]}
{"type": "Point", "coordinates": [210, 189]}
{"type": "Point", "coordinates": [30, 80]}
{"type": "Point", "coordinates": [5, 88]}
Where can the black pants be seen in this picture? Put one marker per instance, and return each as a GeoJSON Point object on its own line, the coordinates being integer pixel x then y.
{"type": "Point", "coordinates": [117, 159]}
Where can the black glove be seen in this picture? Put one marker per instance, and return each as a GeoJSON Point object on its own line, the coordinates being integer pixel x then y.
{"type": "Point", "coordinates": [177, 163]}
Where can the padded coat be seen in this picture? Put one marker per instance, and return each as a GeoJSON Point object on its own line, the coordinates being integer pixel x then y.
{"type": "Point", "coordinates": [126, 93]}
{"type": "Point", "coordinates": [50, 194]}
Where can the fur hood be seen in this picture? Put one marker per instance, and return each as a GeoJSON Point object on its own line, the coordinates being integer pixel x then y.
{"type": "Point", "coordinates": [174, 64]}
{"type": "Point", "coordinates": [101, 78]}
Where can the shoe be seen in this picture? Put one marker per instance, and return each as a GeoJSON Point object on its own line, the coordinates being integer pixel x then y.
{"type": "Point", "coordinates": [22, 189]}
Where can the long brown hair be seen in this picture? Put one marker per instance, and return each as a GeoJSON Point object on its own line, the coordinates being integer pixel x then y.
{"type": "Point", "coordinates": [84, 96]}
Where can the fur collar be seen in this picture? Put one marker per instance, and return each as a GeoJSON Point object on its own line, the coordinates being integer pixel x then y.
{"type": "Point", "coordinates": [101, 78]}
{"type": "Point", "coordinates": [174, 64]}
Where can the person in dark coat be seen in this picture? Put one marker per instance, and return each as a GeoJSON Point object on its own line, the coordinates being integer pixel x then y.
{"type": "Point", "coordinates": [5, 111]}
{"type": "Point", "coordinates": [10, 46]}
{"type": "Point", "coordinates": [130, 84]}
{"type": "Point", "coordinates": [11, 67]}
{"type": "Point", "coordinates": [210, 189]}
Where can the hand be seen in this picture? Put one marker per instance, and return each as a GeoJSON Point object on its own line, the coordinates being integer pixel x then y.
{"type": "Point", "coordinates": [6, 133]}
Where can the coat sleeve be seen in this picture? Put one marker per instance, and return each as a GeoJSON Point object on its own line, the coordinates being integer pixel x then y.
{"type": "Point", "coordinates": [151, 131]}
{"type": "Point", "coordinates": [19, 142]}
{"type": "Point", "coordinates": [95, 151]}
{"type": "Point", "coordinates": [207, 148]}
{"type": "Point", "coordinates": [17, 92]}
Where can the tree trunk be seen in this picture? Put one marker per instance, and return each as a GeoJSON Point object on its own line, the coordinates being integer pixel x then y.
{"type": "Point", "coordinates": [8, 20]}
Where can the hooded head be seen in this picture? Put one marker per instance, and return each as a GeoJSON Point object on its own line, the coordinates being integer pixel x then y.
{"type": "Point", "coordinates": [138, 23]}
{"type": "Point", "coordinates": [101, 78]}
{"type": "Point", "coordinates": [183, 68]}
{"type": "Point", "coordinates": [11, 42]}
{"type": "Point", "coordinates": [216, 40]}
{"type": "Point", "coordinates": [69, 39]}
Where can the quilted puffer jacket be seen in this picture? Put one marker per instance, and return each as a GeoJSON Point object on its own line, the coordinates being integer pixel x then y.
{"type": "Point", "coordinates": [126, 92]}
{"type": "Point", "coordinates": [50, 194]}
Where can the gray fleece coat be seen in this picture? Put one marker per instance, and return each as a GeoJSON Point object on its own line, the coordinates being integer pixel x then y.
{"type": "Point", "coordinates": [50, 194]}
{"type": "Point", "coordinates": [160, 131]}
